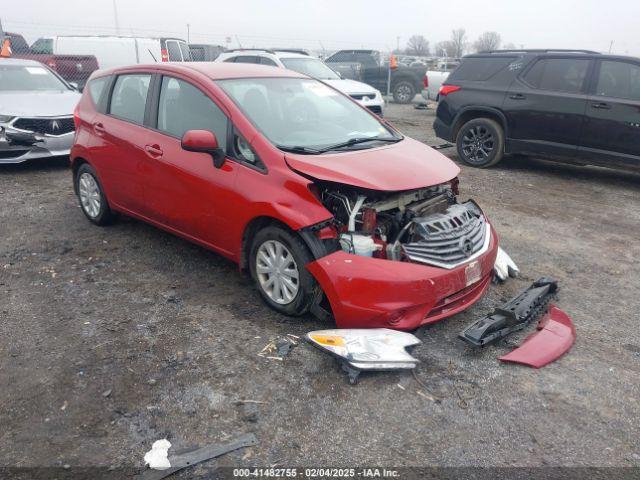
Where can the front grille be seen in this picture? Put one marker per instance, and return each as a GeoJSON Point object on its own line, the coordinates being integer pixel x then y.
{"type": "Point", "coordinates": [360, 96]}
{"type": "Point", "coordinates": [377, 109]}
{"type": "Point", "coordinates": [46, 126]}
{"type": "Point", "coordinates": [449, 239]}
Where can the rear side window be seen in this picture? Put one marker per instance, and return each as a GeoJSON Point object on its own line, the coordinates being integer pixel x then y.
{"type": "Point", "coordinates": [247, 59]}
{"type": "Point", "coordinates": [480, 69]}
{"type": "Point", "coordinates": [619, 80]}
{"type": "Point", "coordinates": [342, 57]}
{"type": "Point", "coordinates": [96, 88]}
{"type": "Point", "coordinates": [43, 46]}
{"type": "Point", "coordinates": [184, 107]}
{"type": "Point", "coordinates": [173, 49]}
{"type": "Point", "coordinates": [558, 74]}
{"type": "Point", "coordinates": [129, 97]}
{"type": "Point", "coordinates": [267, 61]}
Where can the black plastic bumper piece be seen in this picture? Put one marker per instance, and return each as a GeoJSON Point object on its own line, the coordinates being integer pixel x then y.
{"type": "Point", "coordinates": [516, 314]}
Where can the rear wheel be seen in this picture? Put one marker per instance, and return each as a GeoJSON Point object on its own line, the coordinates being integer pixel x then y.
{"type": "Point", "coordinates": [480, 142]}
{"type": "Point", "coordinates": [277, 262]}
{"type": "Point", "coordinates": [404, 91]}
{"type": "Point", "coordinates": [92, 198]}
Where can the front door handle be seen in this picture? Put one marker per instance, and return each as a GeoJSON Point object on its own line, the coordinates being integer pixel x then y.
{"type": "Point", "coordinates": [154, 151]}
{"type": "Point", "coordinates": [601, 106]}
{"type": "Point", "coordinates": [517, 96]}
{"type": "Point", "coordinates": [99, 129]}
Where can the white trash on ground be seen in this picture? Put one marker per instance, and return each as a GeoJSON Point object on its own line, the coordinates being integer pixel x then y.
{"type": "Point", "coordinates": [505, 267]}
{"type": "Point", "coordinates": [157, 458]}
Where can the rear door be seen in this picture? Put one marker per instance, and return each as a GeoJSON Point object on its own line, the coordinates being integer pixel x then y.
{"type": "Point", "coordinates": [120, 135]}
{"type": "Point", "coordinates": [612, 130]}
{"type": "Point", "coordinates": [184, 191]}
{"type": "Point", "coordinates": [545, 106]}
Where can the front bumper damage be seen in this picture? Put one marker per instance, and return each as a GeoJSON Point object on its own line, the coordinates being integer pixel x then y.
{"type": "Point", "coordinates": [18, 146]}
{"type": "Point", "coordinates": [366, 292]}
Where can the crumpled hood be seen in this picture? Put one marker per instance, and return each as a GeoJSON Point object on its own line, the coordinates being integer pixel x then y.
{"type": "Point", "coordinates": [38, 104]}
{"type": "Point", "coordinates": [351, 86]}
{"type": "Point", "coordinates": [405, 165]}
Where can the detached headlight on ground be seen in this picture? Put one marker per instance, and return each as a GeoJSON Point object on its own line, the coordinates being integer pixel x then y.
{"type": "Point", "coordinates": [367, 349]}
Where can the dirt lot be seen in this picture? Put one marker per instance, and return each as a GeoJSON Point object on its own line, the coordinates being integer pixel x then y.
{"type": "Point", "coordinates": [111, 338]}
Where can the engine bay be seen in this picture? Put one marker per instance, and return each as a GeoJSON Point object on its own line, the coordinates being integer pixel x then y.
{"type": "Point", "coordinates": [427, 225]}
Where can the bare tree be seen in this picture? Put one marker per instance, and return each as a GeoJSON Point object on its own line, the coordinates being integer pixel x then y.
{"type": "Point", "coordinates": [445, 49]}
{"type": "Point", "coordinates": [418, 45]}
{"type": "Point", "coordinates": [458, 41]}
{"type": "Point", "coordinates": [487, 41]}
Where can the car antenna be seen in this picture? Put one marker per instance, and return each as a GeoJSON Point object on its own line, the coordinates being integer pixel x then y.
{"type": "Point", "coordinates": [152, 55]}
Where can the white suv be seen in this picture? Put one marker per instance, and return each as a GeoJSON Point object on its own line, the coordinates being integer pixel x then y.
{"type": "Point", "coordinates": [301, 62]}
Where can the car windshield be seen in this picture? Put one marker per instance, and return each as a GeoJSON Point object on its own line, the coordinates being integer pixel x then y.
{"type": "Point", "coordinates": [28, 78]}
{"type": "Point", "coordinates": [306, 115]}
{"type": "Point", "coordinates": [311, 67]}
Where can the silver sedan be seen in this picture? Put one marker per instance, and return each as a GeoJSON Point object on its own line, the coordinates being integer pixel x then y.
{"type": "Point", "coordinates": [36, 112]}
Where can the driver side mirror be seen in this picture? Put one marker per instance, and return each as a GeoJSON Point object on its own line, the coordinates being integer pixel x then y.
{"type": "Point", "coordinates": [203, 141]}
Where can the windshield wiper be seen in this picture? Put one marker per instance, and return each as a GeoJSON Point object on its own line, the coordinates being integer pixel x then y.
{"type": "Point", "coordinates": [357, 140]}
{"type": "Point", "coordinates": [298, 149]}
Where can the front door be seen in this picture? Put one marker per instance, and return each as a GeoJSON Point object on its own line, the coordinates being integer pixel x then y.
{"type": "Point", "coordinates": [184, 191]}
{"type": "Point", "coordinates": [612, 130]}
{"type": "Point", "coordinates": [545, 107]}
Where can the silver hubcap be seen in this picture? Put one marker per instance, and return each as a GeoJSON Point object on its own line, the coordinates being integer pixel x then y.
{"type": "Point", "coordinates": [89, 195]}
{"type": "Point", "coordinates": [277, 272]}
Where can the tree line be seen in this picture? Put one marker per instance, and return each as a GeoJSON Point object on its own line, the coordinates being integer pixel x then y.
{"type": "Point", "coordinates": [457, 45]}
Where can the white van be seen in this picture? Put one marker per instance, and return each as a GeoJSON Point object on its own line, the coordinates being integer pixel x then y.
{"type": "Point", "coordinates": [116, 51]}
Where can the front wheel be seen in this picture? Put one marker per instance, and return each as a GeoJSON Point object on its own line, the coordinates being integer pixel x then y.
{"type": "Point", "coordinates": [277, 262]}
{"type": "Point", "coordinates": [480, 143]}
{"type": "Point", "coordinates": [404, 92]}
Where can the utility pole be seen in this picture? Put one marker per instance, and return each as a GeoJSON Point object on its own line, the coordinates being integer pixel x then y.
{"type": "Point", "coordinates": [610, 46]}
{"type": "Point", "coordinates": [398, 44]}
{"type": "Point", "coordinates": [115, 17]}
{"type": "Point", "coordinates": [188, 33]}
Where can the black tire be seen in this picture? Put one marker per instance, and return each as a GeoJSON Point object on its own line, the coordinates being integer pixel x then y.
{"type": "Point", "coordinates": [308, 291]}
{"type": "Point", "coordinates": [480, 143]}
{"type": "Point", "coordinates": [404, 91]}
{"type": "Point", "coordinates": [104, 215]}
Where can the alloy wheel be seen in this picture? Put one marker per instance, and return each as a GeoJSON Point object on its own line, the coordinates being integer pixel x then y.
{"type": "Point", "coordinates": [89, 193]}
{"type": "Point", "coordinates": [477, 144]}
{"type": "Point", "coordinates": [403, 93]}
{"type": "Point", "coordinates": [277, 272]}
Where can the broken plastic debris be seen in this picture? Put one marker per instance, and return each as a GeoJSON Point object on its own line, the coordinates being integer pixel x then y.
{"type": "Point", "coordinates": [505, 267]}
{"type": "Point", "coordinates": [367, 349]}
{"type": "Point", "coordinates": [157, 458]}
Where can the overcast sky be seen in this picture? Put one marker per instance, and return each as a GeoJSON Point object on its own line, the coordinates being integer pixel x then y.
{"type": "Point", "coordinates": [334, 24]}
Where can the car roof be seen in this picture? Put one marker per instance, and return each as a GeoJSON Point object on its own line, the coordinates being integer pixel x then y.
{"type": "Point", "coordinates": [213, 70]}
{"type": "Point", "coordinates": [266, 52]}
{"type": "Point", "coordinates": [550, 53]}
{"type": "Point", "coordinates": [20, 62]}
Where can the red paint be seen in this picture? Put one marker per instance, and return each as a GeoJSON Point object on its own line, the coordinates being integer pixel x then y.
{"type": "Point", "coordinates": [414, 166]}
{"type": "Point", "coordinates": [371, 292]}
{"type": "Point", "coordinates": [149, 175]}
{"type": "Point", "coordinates": [199, 140]}
{"type": "Point", "coordinates": [555, 337]}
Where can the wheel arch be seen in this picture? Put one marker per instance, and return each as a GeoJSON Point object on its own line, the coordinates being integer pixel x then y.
{"type": "Point", "coordinates": [250, 230]}
{"type": "Point", "coordinates": [471, 113]}
{"type": "Point", "coordinates": [76, 163]}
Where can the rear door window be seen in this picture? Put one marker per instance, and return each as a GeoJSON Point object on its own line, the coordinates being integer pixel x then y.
{"type": "Point", "coordinates": [183, 107]}
{"type": "Point", "coordinates": [173, 49]}
{"type": "Point", "coordinates": [129, 97]}
{"type": "Point", "coordinates": [619, 80]}
{"type": "Point", "coordinates": [247, 59]}
{"type": "Point", "coordinates": [558, 74]}
{"type": "Point", "coordinates": [480, 69]}
{"type": "Point", "coordinates": [267, 61]}
{"type": "Point", "coordinates": [184, 48]}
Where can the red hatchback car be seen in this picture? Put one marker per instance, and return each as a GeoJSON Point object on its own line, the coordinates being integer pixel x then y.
{"type": "Point", "coordinates": [329, 207]}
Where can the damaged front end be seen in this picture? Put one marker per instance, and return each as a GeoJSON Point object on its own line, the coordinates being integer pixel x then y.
{"type": "Point", "coordinates": [400, 259]}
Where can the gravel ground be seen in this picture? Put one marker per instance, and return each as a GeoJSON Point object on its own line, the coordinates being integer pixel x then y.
{"type": "Point", "coordinates": [111, 338]}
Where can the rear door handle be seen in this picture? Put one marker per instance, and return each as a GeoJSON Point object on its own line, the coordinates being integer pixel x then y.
{"type": "Point", "coordinates": [99, 129]}
{"type": "Point", "coordinates": [601, 106]}
{"type": "Point", "coordinates": [154, 151]}
{"type": "Point", "coordinates": [517, 96]}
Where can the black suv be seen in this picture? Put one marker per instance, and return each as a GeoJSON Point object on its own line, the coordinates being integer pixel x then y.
{"type": "Point", "coordinates": [576, 106]}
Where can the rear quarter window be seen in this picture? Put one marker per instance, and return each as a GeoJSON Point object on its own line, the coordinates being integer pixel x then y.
{"type": "Point", "coordinates": [480, 69]}
{"type": "Point", "coordinates": [96, 89]}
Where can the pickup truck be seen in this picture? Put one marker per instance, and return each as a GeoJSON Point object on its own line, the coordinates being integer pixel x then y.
{"type": "Point", "coordinates": [434, 79]}
{"type": "Point", "coordinates": [74, 69]}
{"type": "Point", "coordinates": [370, 67]}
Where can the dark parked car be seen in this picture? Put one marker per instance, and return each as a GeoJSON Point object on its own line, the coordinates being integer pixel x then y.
{"type": "Point", "coordinates": [368, 66]}
{"type": "Point", "coordinates": [576, 106]}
